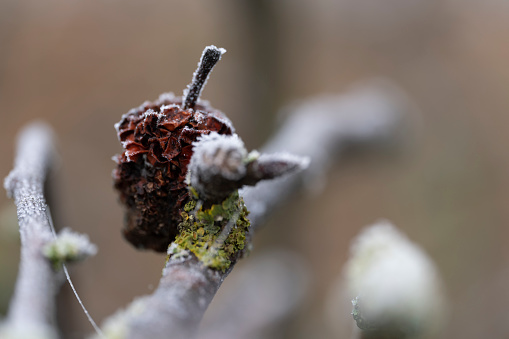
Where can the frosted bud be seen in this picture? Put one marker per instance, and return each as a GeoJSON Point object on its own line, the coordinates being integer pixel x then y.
{"type": "Point", "coordinates": [394, 285]}
{"type": "Point", "coordinates": [69, 246]}
{"type": "Point", "coordinates": [220, 165]}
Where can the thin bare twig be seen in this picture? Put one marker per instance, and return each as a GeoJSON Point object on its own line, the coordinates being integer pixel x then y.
{"type": "Point", "coordinates": [211, 55]}
{"type": "Point", "coordinates": [32, 308]}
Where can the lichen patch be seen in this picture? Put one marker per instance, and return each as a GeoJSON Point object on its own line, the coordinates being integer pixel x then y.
{"type": "Point", "coordinates": [217, 235]}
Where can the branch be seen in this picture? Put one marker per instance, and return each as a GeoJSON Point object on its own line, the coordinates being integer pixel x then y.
{"type": "Point", "coordinates": [262, 294]}
{"type": "Point", "coordinates": [318, 129]}
{"type": "Point", "coordinates": [221, 165]}
{"type": "Point", "coordinates": [32, 308]}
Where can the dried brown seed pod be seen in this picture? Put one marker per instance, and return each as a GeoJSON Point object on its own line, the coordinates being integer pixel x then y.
{"type": "Point", "coordinates": [157, 139]}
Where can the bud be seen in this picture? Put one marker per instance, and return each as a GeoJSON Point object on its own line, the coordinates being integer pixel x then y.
{"type": "Point", "coordinates": [394, 285]}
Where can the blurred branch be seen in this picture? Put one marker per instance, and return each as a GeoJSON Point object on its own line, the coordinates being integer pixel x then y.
{"type": "Point", "coordinates": [320, 129]}
{"type": "Point", "coordinates": [262, 294]}
{"type": "Point", "coordinates": [317, 129]}
{"type": "Point", "coordinates": [176, 307]}
{"type": "Point", "coordinates": [32, 308]}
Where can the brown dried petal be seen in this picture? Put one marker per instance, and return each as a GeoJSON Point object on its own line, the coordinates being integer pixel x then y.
{"type": "Point", "coordinates": [175, 118]}
{"type": "Point", "coordinates": [172, 148]}
{"type": "Point", "coordinates": [133, 151]}
{"type": "Point", "coordinates": [189, 135]}
{"type": "Point", "coordinates": [187, 151]}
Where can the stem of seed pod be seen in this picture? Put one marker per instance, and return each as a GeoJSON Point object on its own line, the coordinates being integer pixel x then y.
{"type": "Point", "coordinates": [210, 56]}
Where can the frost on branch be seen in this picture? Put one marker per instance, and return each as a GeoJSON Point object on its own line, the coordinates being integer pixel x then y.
{"type": "Point", "coordinates": [394, 285]}
{"type": "Point", "coordinates": [221, 165]}
{"type": "Point", "coordinates": [24, 183]}
{"type": "Point", "coordinates": [69, 246]}
{"type": "Point", "coordinates": [31, 310]}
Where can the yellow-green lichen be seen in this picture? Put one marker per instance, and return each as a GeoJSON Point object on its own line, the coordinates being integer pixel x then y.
{"type": "Point", "coordinates": [215, 235]}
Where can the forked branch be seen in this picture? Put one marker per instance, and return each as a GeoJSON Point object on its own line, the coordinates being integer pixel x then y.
{"type": "Point", "coordinates": [318, 129]}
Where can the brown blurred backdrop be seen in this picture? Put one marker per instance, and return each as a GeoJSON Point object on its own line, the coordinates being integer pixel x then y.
{"type": "Point", "coordinates": [79, 65]}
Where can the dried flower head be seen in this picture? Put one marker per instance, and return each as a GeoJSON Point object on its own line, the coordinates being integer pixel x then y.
{"type": "Point", "coordinates": [157, 139]}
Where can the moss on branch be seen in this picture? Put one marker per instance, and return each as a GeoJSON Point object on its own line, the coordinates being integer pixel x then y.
{"type": "Point", "coordinates": [217, 235]}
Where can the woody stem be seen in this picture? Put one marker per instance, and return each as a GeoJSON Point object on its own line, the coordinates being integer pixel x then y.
{"type": "Point", "coordinates": [210, 56]}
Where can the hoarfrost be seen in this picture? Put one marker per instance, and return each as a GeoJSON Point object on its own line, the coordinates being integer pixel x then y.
{"type": "Point", "coordinates": [220, 154]}
{"type": "Point", "coordinates": [151, 112]}
{"type": "Point", "coordinates": [210, 56]}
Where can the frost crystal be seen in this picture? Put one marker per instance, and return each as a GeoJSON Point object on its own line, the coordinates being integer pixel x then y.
{"type": "Point", "coordinates": [394, 283]}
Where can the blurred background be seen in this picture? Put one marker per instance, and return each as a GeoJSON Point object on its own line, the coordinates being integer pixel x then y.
{"type": "Point", "coordinates": [79, 65]}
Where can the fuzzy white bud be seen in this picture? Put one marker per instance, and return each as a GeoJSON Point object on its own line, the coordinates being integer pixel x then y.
{"type": "Point", "coordinates": [393, 283]}
{"type": "Point", "coordinates": [69, 246]}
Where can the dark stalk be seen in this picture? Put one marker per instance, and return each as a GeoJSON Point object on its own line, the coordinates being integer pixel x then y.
{"type": "Point", "coordinates": [210, 56]}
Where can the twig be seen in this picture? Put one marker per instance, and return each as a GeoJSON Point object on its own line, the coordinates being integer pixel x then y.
{"type": "Point", "coordinates": [211, 55]}
{"type": "Point", "coordinates": [174, 309]}
{"type": "Point", "coordinates": [318, 129]}
{"type": "Point", "coordinates": [220, 165]}
{"type": "Point", "coordinates": [32, 308]}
